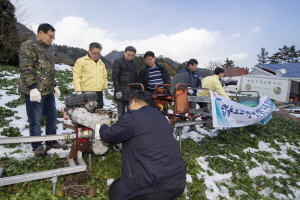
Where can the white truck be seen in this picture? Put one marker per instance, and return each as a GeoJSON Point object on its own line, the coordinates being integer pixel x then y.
{"type": "Point", "coordinates": [279, 88]}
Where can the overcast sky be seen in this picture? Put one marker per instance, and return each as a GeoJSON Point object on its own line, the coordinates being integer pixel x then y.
{"type": "Point", "coordinates": [207, 30]}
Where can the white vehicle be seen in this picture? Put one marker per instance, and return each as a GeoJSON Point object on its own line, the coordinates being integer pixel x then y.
{"type": "Point", "coordinates": [233, 85]}
{"type": "Point", "coordinates": [279, 88]}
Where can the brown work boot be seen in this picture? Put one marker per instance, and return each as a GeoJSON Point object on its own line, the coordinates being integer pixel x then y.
{"type": "Point", "coordinates": [57, 145]}
{"type": "Point", "coordinates": [39, 151]}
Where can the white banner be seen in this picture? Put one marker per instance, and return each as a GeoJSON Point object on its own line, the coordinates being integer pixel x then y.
{"type": "Point", "coordinates": [227, 113]}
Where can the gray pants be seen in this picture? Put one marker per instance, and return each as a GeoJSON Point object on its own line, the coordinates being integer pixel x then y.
{"type": "Point", "coordinates": [193, 106]}
{"type": "Point", "coordinates": [122, 107]}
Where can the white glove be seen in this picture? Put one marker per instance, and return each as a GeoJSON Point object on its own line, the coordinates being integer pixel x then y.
{"type": "Point", "coordinates": [56, 92]}
{"type": "Point", "coordinates": [190, 91]}
{"type": "Point", "coordinates": [97, 128]}
{"type": "Point", "coordinates": [35, 95]}
{"type": "Point", "coordinates": [106, 93]}
{"type": "Point", "coordinates": [119, 95]}
{"type": "Point", "coordinates": [78, 92]}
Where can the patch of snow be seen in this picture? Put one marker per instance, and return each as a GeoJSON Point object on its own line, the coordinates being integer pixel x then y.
{"type": "Point", "coordinates": [63, 67]}
{"type": "Point", "coordinates": [266, 192]}
{"type": "Point", "coordinates": [109, 181]}
{"type": "Point", "coordinates": [240, 192]}
{"type": "Point", "coordinates": [212, 182]}
{"type": "Point", "coordinates": [189, 178]}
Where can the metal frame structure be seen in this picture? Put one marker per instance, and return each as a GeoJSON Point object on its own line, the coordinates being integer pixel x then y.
{"type": "Point", "coordinates": [53, 174]}
{"type": "Point", "coordinates": [182, 114]}
{"type": "Point", "coordinates": [178, 125]}
{"type": "Point", "coordinates": [42, 138]}
{"type": "Point", "coordinates": [82, 111]}
{"type": "Point", "coordinates": [75, 166]}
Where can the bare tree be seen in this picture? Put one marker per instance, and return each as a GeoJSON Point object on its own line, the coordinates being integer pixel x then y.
{"type": "Point", "coordinates": [212, 65]}
{"type": "Point", "coordinates": [20, 12]}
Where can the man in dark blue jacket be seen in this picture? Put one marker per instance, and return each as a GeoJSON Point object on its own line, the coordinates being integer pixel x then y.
{"type": "Point", "coordinates": [192, 75]}
{"type": "Point", "coordinates": [152, 165]}
{"type": "Point", "coordinates": [193, 79]}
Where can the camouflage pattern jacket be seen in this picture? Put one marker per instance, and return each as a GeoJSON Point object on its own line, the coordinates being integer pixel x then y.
{"type": "Point", "coordinates": [37, 67]}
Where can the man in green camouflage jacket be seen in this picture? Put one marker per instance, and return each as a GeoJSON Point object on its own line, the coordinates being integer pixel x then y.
{"type": "Point", "coordinates": [38, 85]}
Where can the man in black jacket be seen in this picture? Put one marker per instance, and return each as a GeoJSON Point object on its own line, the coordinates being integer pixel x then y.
{"type": "Point", "coordinates": [152, 166]}
{"type": "Point", "coordinates": [153, 74]}
{"type": "Point", "coordinates": [124, 72]}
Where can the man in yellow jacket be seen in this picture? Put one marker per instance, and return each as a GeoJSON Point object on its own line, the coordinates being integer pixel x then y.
{"type": "Point", "coordinates": [213, 83]}
{"type": "Point", "coordinates": [90, 75]}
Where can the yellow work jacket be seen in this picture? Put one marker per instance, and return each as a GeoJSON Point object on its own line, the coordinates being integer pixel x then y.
{"type": "Point", "coordinates": [89, 75]}
{"type": "Point", "coordinates": [212, 83]}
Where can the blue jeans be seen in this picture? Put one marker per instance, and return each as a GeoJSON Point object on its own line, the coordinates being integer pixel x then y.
{"type": "Point", "coordinates": [35, 111]}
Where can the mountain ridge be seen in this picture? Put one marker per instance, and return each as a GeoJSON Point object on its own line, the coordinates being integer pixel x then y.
{"type": "Point", "coordinates": [68, 55]}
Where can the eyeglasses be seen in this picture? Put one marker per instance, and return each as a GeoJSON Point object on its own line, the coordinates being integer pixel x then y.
{"type": "Point", "coordinates": [51, 36]}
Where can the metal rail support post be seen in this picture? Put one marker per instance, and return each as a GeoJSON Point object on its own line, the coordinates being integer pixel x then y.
{"type": "Point", "coordinates": [54, 181]}
{"type": "Point", "coordinates": [90, 161]}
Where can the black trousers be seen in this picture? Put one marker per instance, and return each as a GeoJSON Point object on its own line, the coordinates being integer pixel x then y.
{"type": "Point", "coordinates": [167, 195]}
{"type": "Point", "coordinates": [149, 94]}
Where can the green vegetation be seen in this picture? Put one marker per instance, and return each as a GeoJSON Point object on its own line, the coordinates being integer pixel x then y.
{"type": "Point", "coordinates": [9, 38]}
{"type": "Point", "coordinates": [16, 102]}
{"type": "Point", "coordinates": [64, 78]}
{"type": "Point", "coordinates": [232, 153]}
{"type": "Point", "coordinates": [11, 132]}
{"type": "Point", "coordinates": [5, 113]}
{"type": "Point", "coordinates": [227, 153]}
{"type": "Point", "coordinates": [284, 55]}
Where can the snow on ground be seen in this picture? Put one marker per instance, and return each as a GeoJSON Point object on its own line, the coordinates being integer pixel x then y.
{"type": "Point", "coordinates": [61, 67]}
{"type": "Point", "coordinates": [296, 114]}
{"type": "Point", "coordinates": [211, 181]}
{"type": "Point", "coordinates": [214, 179]}
{"type": "Point", "coordinates": [26, 149]}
